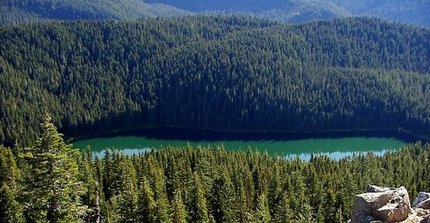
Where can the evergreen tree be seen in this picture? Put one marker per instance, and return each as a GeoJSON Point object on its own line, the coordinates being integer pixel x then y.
{"type": "Point", "coordinates": [262, 213]}
{"type": "Point", "coordinates": [282, 211]}
{"type": "Point", "coordinates": [197, 207]}
{"type": "Point", "coordinates": [127, 198]}
{"type": "Point", "coordinates": [52, 187]}
{"type": "Point", "coordinates": [10, 208]}
{"type": "Point", "coordinates": [305, 215]}
{"type": "Point", "coordinates": [179, 214]}
{"type": "Point", "coordinates": [146, 211]}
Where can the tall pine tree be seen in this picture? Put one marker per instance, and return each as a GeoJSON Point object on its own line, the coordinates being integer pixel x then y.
{"type": "Point", "coordinates": [52, 187]}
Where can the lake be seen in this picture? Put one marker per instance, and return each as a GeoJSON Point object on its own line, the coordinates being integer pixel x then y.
{"type": "Point", "coordinates": [335, 145]}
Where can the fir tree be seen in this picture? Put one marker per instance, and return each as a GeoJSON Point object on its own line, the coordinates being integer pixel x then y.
{"type": "Point", "coordinates": [52, 187]}
{"type": "Point", "coordinates": [10, 208]}
{"type": "Point", "coordinates": [198, 210]}
{"type": "Point", "coordinates": [179, 214]}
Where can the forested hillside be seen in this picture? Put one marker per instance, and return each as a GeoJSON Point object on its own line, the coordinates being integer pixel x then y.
{"type": "Point", "coordinates": [26, 11]}
{"type": "Point", "coordinates": [280, 10]}
{"type": "Point", "coordinates": [49, 182]}
{"type": "Point", "coordinates": [406, 11]}
{"type": "Point", "coordinates": [296, 11]}
{"type": "Point", "coordinates": [229, 73]}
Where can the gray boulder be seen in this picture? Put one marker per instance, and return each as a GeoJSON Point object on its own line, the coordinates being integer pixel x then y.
{"type": "Point", "coordinates": [381, 204]}
{"type": "Point", "coordinates": [374, 188]}
{"type": "Point", "coordinates": [422, 201]}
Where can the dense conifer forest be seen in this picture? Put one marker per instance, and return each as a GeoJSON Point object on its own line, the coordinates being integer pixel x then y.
{"type": "Point", "coordinates": [50, 182]}
{"type": "Point", "coordinates": [28, 11]}
{"type": "Point", "coordinates": [228, 73]}
{"type": "Point", "coordinates": [296, 11]}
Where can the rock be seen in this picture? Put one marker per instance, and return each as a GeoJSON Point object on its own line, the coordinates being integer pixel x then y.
{"type": "Point", "coordinates": [422, 201]}
{"type": "Point", "coordinates": [384, 204]}
{"type": "Point", "coordinates": [394, 212]}
{"type": "Point", "coordinates": [374, 188]}
{"type": "Point", "coordinates": [425, 220]}
{"type": "Point", "coordinates": [422, 212]}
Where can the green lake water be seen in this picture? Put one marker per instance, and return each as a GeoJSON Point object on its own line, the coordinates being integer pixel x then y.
{"type": "Point", "coordinates": [336, 147]}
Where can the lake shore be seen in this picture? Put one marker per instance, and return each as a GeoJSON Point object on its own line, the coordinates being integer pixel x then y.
{"type": "Point", "coordinates": [206, 134]}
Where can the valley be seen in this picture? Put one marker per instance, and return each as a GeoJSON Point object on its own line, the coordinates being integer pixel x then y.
{"type": "Point", "coordinates": [213, 111]}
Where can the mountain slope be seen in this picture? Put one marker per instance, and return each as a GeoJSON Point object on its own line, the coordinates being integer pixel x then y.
{"type": "Point", "coordinates": [17, 11]}
{"type": "Point", "coordinates": [406, 11]}
{"type": "Point", "coordinates": [229, 73]}
{"type": "Point", "coordinates": [281, 10]}
{"type": "Point", "coordinates": [296, 11]}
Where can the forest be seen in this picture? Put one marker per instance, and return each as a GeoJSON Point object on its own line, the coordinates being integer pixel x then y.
{"type": "Point", "coordinates": [14, 12]}
{"type": "Point", "coordinates": [50, 182]}
{"type": "Point", "coordinates": [215, 72]}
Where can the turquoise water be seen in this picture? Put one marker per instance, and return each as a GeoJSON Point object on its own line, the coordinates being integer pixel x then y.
{"type": "Point", "coordinates": [335, 148]}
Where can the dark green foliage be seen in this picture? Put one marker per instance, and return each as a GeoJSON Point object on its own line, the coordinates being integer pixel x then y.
{"type": "Point", "coordinates": [209, 184]}
{"type": "Point", "coordinates": [281, 10]}
{"type": "Point", "coordinates": [11, 211]}
{"type": "Point", "coordinates": [28, 11]}
{"type": "Point", "coordinates": [229, 73]}
{"type": "Point", "coordinates": [320, 190]}
{"type": "Point", "coordinates": [52, 189]}
{"type": "Point", "coordinates": [407, 11]}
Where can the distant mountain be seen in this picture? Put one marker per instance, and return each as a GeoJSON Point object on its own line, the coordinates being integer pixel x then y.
{"type": "Point", "coordinates": [281, 10]}
{"type": "Point", "coordinates": [23, 11]}
{"type": "Point", "coordinates": [406, 11]}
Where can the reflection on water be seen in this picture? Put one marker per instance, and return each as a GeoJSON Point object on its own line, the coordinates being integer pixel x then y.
{"type": "Point", "coordinates": [335, 148]}
{"type": "Point", "coordinates": [302, 156]}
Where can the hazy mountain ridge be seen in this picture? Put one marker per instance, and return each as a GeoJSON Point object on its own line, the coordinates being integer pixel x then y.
{"type": "Point", "coordinates": [16, 11]}
{"type": "Point", "coordinates": [409, 11]}
{"type": "Point", "coordinates": [405, 11]}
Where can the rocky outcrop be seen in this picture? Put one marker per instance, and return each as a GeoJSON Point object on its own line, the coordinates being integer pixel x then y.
{"type": "Point", "coordinates": [384, 204]}
{"type": "Point", "coordinates": [422, 201]}
{"type": "Point", "coordinates": [389, 205]}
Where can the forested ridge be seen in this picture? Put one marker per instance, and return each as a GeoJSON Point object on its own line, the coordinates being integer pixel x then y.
{"type": "Point", "coordinates": [50, 182]}
{"type": "Point", "coordinates": [295, 11]}
{"type": "Point", "coordinates": [227, 73]}
{"type": "Point", "coordinates": [29, 11]}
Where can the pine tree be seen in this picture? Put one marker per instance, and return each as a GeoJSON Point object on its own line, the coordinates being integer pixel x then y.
{"type": "Point", "coordinates": [52, 187]}
{"type": "Point", "coordinates": [127, 198]}
{"type": "Point", "coordinates": [222, 198]}
{"type": "Point", "coordinates": [91, 198]}
{"type": "Point", "coordinates": [262, 213]}
{"type": "Point", "coordinates": [198, 210]}
{"type": "Point", "coordinates": [179, 214]}
{"type": "Point", "coordinates": [282, 211]}
{"type": "Point", "coordinates": [10, 209]}
{"type": "Point", "coordinates": [305, 215]}
{"type": "Point", "coordinates": [146, 211]}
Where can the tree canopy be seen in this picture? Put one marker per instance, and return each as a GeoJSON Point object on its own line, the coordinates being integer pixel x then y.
{"type": "Point", "coordinates": [186, 184]}
{"type": "Point", "coordinates": [226, 73]}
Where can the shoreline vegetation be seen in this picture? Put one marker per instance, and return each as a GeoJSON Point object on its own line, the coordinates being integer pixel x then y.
{"type": "Point", "coordinates": [187, 133]}
{"type": "Point", "coordinates": [184, 184]}
{"type": "Point", "coordinates": [210, 72]}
